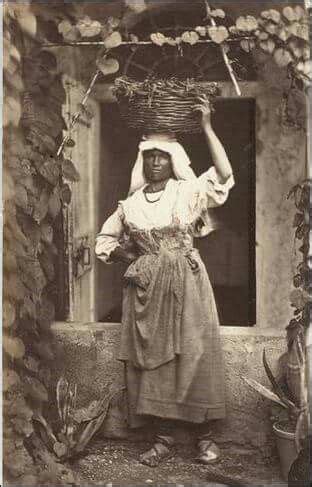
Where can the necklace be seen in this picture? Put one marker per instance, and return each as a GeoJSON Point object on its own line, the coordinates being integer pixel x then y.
{"type": "Point", "coordinates": [161, 191]}
{"type": "Point", "coordinates": [153, 201]}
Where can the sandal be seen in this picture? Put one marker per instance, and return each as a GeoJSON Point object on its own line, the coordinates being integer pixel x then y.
{"type": "Point", "coordinates": [161, 450]}
{"type": "Point", "coordinates": [209, 452]}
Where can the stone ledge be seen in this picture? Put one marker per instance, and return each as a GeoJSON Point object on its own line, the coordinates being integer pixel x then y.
{"type": "Point", "coordinates": [251, 331]}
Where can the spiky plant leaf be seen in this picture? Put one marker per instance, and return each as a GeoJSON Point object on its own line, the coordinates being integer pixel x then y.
{"type": "Point", "coordinates": [61, 392]}
{"type": "Point", "coordinates": [256, 386]}
{"type": "Point", "coordinates": [276, 387]}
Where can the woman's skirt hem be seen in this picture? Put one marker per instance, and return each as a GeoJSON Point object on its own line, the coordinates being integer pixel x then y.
{"type": "Point", "coordinates": [183, 411]}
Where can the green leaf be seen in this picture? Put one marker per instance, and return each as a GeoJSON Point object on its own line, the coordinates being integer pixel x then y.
{"type": "Point", "coordinates": [31, 364]}
{"type": "Point", "coordinates": [267, 46]}
{"type": "Point", "coordinates": [271, 14]}
{"type": "Point", "coordinates": [46, 233]}
{"type": "Point", "coordinates": [47, 265]}
{"type": "Point", "coordinates": [305, 68]}
{"type": "Point", "coordinates": [276, 387]}
{"type": "Point", "coordinates": [298, 219]}
{"type": "Point", "coordinates": [158, 38]}
{"type": "Point", "coordinates": [31, 230]}
{"type": "Point", "coordinates": [299, 298]}
{"type": "Point", "coordinates": [113, 40]}
{"type": "Point", "coordinates": [60, 449]}
{"type": "Point", "coordinates": [88, 27]}
{"type": "Point", "coordinates": [300, 12]}
{"type": "Point", "coordinates": [138, 6]}
{"type": "Point", "coordinates": [201, 30]}
{"type": "Point", "coordinates": [8, 314]}
{"type": "Point", "coordinates": [296, 49]}
{"type": "Point", "coordinates": [113, 22]}
{"type": "Point", "coordinates": [14, 347]}
{"type": "Point", "coordinates": [65, 193]}
{"type": "Point", "coordinates": [35, 389]}
{"type": "Point", "coordinates": [217, 13]}
{"type": "Point", "coordinates": [27, 22]}
{"type": "Point", "coordinates": [10, 379]}
{"type": "Point", "coordinates": [290, 14]}
{"type": "Point", "coordinates": [218, 34]}
{"type": "Point", "coordinates": [108, 65]}
{"type": "Point", "coordinates": [50, 170]}
{"type": "Point", "coordinates": [46, 309]}
{"type": "Point", "coordinates": [55, 204]}
{"type": "Point", "coordinates": [21, 198]}
{"type": "Point", "coordinates": [282, 57]}
{"type": "Point", "coordinates": [247, 45]}
{"type": "Point", "coordinates": [28, 308]}
{"type": "Point", "coordinates": [256, 386]}
{"type": "Point", "coordinates": [68, 31]}
{"type": "Point", "coordinates": [14, 288]}
{"type": "Point", "coordinates": [246, 24]}
{"type": "Point", "coordinates": [32, 275]}
{"type": "Point", "coordinates": [190, 37]}
{"type": "Point", "coordinates": [23, 426]}
{"type": "Point", "coordinates": [69, 171]}
{"type": "Point", "coordinates": [303, 32]}
{"type": "Point", "coordinates": [9, 261]}
{"type": "Point", "coordinates": [283, 34]}
{"type": "Point", "coordinates": [41, 206]}
{"type": "Point", "coordinates": [263, 36]}
{"type": "Point", "coordinates": [271, 28]}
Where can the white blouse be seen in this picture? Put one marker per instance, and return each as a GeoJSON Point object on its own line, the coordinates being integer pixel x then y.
{"type": "Point", "coordinates": [182, 202]}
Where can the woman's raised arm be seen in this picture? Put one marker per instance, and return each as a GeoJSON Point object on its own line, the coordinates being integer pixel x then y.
{"type": "Point", "coordinates": [219, 156]}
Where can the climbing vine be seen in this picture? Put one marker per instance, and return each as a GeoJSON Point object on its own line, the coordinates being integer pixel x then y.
{"type": "Point", "coordinates": [36, 178]}
{"type": "Point", "coordinates": [284, 36]}
{"type": "Point", "coordinates": [300, 297]}
{"type": "Point", "coordinates": [34, 191]}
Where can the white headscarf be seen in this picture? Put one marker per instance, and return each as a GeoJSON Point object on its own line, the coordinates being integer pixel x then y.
{"type": "Point", "coordinates": [179, 159]}
{"type": "Point", "coordinates": [181, 169]}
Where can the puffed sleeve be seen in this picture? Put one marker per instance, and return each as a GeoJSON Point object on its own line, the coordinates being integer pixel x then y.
{"type": "Point", "coordinates": [110, 235]}
{"type": "Point", "coordinates": [201, 195]}
{"type": "Point", "coordinates": [212, 190]}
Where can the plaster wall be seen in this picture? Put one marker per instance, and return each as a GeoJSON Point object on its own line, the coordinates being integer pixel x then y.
{"type": "Point", "coordinates": [280, 164]}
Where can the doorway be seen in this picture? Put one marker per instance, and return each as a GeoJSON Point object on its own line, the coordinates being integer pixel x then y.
{"type": "Point", "coordinates": [229, 252]}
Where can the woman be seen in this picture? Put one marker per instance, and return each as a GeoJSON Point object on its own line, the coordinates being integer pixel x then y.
{"type": "Point", "coordinates": [170, 340]}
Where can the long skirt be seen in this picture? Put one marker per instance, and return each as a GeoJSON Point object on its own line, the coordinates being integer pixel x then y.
{"type": "Point", "coordinates": [170, 340]}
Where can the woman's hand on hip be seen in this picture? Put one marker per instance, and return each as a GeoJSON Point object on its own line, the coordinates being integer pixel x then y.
{"type": "Point", "coordinates": [122, 255]}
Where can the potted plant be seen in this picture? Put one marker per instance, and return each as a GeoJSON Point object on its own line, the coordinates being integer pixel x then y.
{"type": "Point", "coordinates": [289, 391]}
{"type": "Point", "coordinates": [290, 416]}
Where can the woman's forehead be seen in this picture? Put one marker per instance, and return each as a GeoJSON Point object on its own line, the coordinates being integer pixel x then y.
{"type": "Point", "coordinates": [156, 152]}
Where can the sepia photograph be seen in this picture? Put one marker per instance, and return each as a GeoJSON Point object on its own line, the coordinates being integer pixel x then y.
{"type": "Point", "coordinates": [156, 265]}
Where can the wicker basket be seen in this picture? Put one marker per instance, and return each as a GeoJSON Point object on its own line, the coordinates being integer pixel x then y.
{"type": "Point", "coordinates": [158, 105]}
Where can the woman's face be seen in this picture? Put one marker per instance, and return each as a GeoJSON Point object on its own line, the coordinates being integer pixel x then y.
{"type": "Point", "coordinates": [157, 165]}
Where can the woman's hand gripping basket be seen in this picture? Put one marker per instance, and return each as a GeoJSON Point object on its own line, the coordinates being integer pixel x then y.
{"type": "Point", "coordinates": [162, 105]}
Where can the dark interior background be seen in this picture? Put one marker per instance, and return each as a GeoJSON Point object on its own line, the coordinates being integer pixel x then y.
{"type": "Point", "coordinates": [229, 252]}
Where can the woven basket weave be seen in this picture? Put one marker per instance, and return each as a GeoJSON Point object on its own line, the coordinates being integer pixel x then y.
{"type": "Point", "coordinates": [158, 105]}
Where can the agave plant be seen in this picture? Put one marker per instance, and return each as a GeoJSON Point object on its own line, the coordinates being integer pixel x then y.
{"type": "Point", "coordinates": [76, 426]}
{"type": "Point", "coordinates": [294, 403]}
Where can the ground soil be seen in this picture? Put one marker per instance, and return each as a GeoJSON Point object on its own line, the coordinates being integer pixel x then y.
{"type": "Point", "coordinates": [116, 461]}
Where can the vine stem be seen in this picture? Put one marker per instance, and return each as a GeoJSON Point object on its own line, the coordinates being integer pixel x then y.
{"type": "Point", "coordinates": [132, 43]}
{"type": "Point", "coordinates": [77, 114]}
{"type": "Point", "coordinates": [224, 54]}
